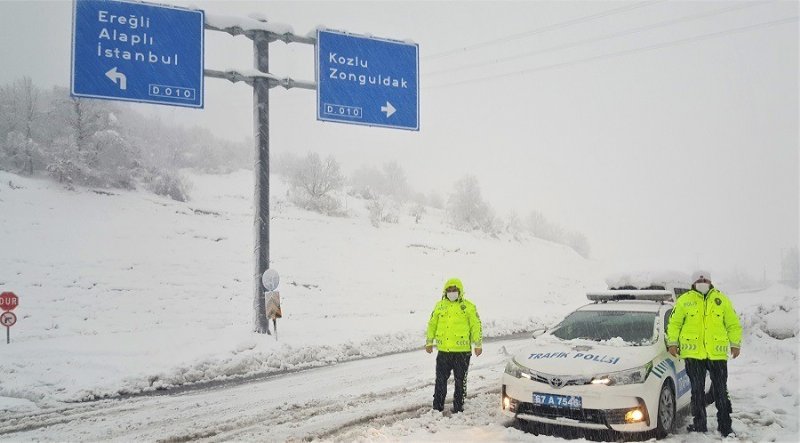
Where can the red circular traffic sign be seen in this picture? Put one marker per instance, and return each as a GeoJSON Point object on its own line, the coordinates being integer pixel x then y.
{"type": "Point", "coordinates": [7, 319]}
{"type": "Point", "coordinates": [8, 301]}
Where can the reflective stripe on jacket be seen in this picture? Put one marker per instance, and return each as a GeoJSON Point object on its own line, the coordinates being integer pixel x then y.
{"type": "Point", "coordinates": [455, 325]}
{"type": "Point", "coordinates": [704, 327]}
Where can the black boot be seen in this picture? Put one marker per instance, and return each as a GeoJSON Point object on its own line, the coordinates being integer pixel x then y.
{"type": "Point", "coordinates": [693, 428]}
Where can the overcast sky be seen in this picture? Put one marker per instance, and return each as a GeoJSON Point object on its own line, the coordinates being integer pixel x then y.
{"type": "Point", "coordinates": [665, 131]}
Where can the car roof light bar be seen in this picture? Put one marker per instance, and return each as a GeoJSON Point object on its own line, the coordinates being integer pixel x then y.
{"type": "Point", "coordinates": [630, 294]}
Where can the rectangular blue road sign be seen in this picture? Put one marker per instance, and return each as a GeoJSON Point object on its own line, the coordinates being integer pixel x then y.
{"type": "Point", "coordinates": [367, 81]}
{"type": "Point", "coordinates": [137, 52]}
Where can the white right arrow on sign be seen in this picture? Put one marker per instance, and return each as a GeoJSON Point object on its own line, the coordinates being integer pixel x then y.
{"type": "Point", "coordinates": [388, 109]}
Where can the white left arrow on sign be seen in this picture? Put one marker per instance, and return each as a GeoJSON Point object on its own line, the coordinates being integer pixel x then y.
{"type": "Point", "coordinates": [117, 77]}
{"type": "Point", "coordinates": [388, 109]}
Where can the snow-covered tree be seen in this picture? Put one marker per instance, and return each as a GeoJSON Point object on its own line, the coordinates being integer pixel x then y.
{"type": "Point", "coordinates": [466, 209]}
{"type": "Point", "coordinates": [383, 210]}
{"type": "Point", "coordinates": [366, 182]}
{"type": "Point", "coordinates": [417, 211]}
{"type": "Point", "coordinates": [314, 181]}
{"type": "Point", "coordinates": [514, 226]}
{"type": "Point", "coordinates": [542, 228]}
{"type": "Point", "coordinates": [20, 117]}
{"type": "Point", "coordinates": [396, 185]}
{"type": "Point", "coordinates": [390, 181]}
{"type": "Point", "coordinates": [579, 243]}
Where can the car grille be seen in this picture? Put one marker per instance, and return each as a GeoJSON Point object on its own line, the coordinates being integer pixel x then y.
{"type": "Point", "coordinates": [599, 416]}
{"type": "Point", "coordinates": [541, 377]}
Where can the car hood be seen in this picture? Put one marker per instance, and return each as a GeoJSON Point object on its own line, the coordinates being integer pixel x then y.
{"type": "Point", "coordinates": [582, 357]}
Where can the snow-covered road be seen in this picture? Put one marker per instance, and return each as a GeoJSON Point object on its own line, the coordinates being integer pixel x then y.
{"type": "Point", "coordinates": [322, 402]}
{"type": "Point", "coordinates": [383, 398]}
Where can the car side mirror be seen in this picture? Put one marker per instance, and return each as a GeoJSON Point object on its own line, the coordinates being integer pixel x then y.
{"type": "Point", "coordinates": [538, 332]}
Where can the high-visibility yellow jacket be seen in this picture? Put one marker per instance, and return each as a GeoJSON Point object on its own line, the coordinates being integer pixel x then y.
{"type": "Point", "coordinates": [454, 325]}
{"type": "Point", "coordinates": [704, 327]}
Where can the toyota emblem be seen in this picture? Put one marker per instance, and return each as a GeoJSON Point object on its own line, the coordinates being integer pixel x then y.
{"type": "Point", "coordinates": [557, 382]}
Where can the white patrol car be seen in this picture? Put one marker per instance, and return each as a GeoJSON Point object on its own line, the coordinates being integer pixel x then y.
{"type": "Point", "coordinates": [605, 366]}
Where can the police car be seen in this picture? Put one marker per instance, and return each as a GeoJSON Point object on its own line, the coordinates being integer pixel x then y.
{"type": "Point", "coordinates": [605, 367]}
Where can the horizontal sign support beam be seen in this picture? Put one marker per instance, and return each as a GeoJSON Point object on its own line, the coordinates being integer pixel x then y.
{"type": "Point", "coordinates": [286, 38]}
{"type": "Point", "coordinates": [235, 76]}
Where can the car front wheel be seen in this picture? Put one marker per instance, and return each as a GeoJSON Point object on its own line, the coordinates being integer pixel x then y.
{"type": "Point", "coordinates": [666, 411]}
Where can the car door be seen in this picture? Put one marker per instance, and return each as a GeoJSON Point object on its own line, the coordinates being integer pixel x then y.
{"type": "Point", "coordinates": [682, 385]}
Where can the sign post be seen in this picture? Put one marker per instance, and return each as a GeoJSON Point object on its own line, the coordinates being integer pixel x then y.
{"type": "Point", "coordinates": [8, 319]}
{"type": "Point", "coordinates": [137, 52]}
{"type": "Point", "coordinates": [367, 81]}
{"type": "Point", "coordinates": [8, 302]}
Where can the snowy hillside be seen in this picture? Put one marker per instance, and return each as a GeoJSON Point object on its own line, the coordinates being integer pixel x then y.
{"type": "Point", "coordinates": [126, 291]}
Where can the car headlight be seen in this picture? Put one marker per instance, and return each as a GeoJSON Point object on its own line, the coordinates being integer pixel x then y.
{"type": "Point", "coordinates": [514, 369]}
{"type": "Point", "coordinates": [627, 377]}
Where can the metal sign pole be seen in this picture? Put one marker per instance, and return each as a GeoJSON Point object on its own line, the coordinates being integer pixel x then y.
{"type": "Point", "coordinates": [261, 82]}
{"type": "Point", "coordinates": [261, 41]}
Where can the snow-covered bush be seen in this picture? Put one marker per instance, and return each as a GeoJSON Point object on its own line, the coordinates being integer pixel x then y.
{"type": "Point", "coordinates": [65, 165]}
{"type": "Point", "coordinates": [20, 154]}
{"type": "Point", "coordinates": [383, 210]}
{"type": "Point", "coordinates": [466, 210]}
{"type": "Point", "coordinates": [417, 211]}
{"type": "Point", "coordinates": [314, 182]}
{"type": "Point", "coordinates": [169, 184]}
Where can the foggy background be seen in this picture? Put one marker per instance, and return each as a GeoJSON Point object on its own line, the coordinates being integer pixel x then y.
{"type": "Point", "coordinates": [666, 132]}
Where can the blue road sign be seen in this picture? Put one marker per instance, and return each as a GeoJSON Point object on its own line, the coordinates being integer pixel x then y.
{"type": "Point", "coordinates": [367, 81]}
{"type": "Point", "coordinates": [137, 52]}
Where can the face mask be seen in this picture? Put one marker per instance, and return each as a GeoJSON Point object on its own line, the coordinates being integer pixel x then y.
{"type": "Point", "coordinates": [702, 287]}
{"type": "Point", "coordinates": [452, 296]}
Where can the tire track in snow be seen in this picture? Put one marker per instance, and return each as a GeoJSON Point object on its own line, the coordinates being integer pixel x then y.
{"type": "Point", "coordinates": [286, 416]}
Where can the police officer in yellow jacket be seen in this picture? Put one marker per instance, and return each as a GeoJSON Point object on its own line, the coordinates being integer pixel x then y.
{"type": "Point", "coordinates": [705, 326]}
{"type": "Point", "coordinates": [455, 326]}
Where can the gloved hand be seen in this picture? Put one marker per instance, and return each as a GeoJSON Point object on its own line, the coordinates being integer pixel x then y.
{"type": "Point", "coordinates": [735, 352]}
{"type": "Point", "coordinates": [428, 348]}
{"type": "Point", "coordinates": [478, 351]}
{"type": "Point", "coordinates": [673, 351]}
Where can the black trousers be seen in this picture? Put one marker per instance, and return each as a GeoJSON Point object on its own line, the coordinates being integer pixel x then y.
{"type": "Point", "coordinates": [696, 370]}
{"type": "Point", "coordinates": [458, 362]}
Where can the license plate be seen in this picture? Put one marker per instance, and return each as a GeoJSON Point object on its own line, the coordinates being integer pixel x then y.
{"type": "Point", "coordinates": [557, 401]}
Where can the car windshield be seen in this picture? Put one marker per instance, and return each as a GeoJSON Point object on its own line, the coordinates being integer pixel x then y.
{"type": "Point", "coordinates": [635, 328]}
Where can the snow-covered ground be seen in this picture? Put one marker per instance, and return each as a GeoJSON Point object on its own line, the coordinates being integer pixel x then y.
{"type": "Point", "coordinates": [130, 292]}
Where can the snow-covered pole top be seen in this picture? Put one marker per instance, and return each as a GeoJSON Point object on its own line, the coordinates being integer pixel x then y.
{"type": "Point", "coordinates": [247, 26]}
{"type": "Point", "coordinates": [249, 75]}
